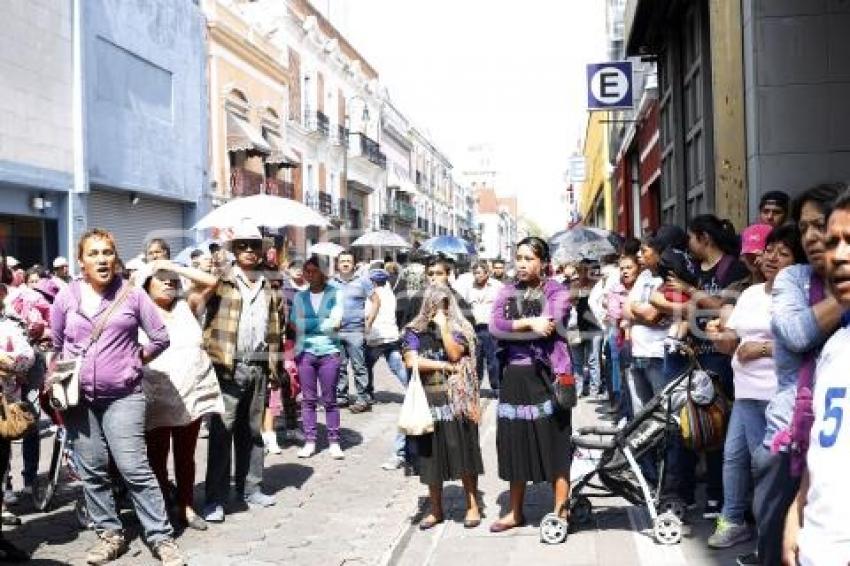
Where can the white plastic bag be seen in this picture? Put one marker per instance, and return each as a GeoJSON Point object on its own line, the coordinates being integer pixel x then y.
{"type": "Point", "coordinates": [415, 418]}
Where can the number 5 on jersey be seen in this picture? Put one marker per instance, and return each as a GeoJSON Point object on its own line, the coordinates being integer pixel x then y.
{"type": "Point", "coordinates": [832, 412]}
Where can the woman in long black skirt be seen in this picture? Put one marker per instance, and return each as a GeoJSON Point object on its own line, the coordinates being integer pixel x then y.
{"type": "Point", "coordinates": [439, 340]}
{"type": "Point", "coordinates": [532, 435]}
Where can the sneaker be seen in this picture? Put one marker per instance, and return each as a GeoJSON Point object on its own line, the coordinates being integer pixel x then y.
{"type": "Point", "coordinates": [728, 534]}
{"type": "Point", "coordinates": [342, 402]}
{"type": "Point", "coordinates": [9, 496]}
{"type": "Point", "coordinates": [169, 553]}
{"type": "Point", "coordinates": [259, 499]}
{"type": "Point", "coordinates": [360, 407]}
{"type": "Point", "coordinates": [9, 519]}
{"type": "Point", "coordinates": [712, 509]}
{"type": "Point", "coordinates": [308, 450]}
{"type": "Point", "coordinates": [749, 559]}
{"type": "Point", "coordinates": [213, 513]}
{"type": "Point", "coordinates": [394, 463]}
{"type": "Point", "coordinates": [110, 545]}
{"type": "Point", "coordinates": [335, 451]}
{"type": "Point", "coordinates": [270, 442]}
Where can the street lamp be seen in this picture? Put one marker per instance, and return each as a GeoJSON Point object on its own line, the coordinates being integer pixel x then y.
{"type": "Point", "coordinates": [364, 120]}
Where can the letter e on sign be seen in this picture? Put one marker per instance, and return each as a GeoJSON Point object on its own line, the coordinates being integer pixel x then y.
{"type": "Point", "coordinates": [609, 85]}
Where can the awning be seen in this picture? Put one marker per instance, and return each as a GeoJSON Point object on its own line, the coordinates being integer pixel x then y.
{"type": "Point", "coordinates": [281, 153]}
{"type": "Point", "coordinates": [242, 136]}
{"type": "Point", "coordinates": [398, 179]}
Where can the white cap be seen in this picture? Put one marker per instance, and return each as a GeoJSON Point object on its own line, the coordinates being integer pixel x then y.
{"type": "Point", "coordinates": [60, 262]}
{"type": "Point", "coordinates": [11, 262]}
{"type": "Point", "coordinates": [246, 230]}
{"type": "Point", "coordinates": [135, 264]}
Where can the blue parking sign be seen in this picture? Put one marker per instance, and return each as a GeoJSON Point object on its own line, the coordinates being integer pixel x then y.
{"type": "Point", "coordinates": [609, 85]}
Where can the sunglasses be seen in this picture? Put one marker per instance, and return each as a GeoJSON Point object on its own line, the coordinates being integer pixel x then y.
{"type": "Point", "coordinates": [245, 245]}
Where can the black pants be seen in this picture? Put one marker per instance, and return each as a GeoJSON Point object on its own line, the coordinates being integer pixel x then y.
{"type": "Point", "coordinates": [5, 453]}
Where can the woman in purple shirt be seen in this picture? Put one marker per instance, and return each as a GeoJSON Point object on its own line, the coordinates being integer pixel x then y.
{"type": "Point", "coordinates": [533, 436]}
{"type": "Point", "coordinates": [110, 418]}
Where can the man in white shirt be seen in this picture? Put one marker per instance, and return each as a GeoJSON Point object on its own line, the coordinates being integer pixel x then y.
{"type": "Point", "coordinates": [382, 340]}
{"type": "Point", "coordinates": [610, 276]}
{"type": "Point", "coordinates": [817, 530]}
{"type": "Point", "coordinates": [481, 295]}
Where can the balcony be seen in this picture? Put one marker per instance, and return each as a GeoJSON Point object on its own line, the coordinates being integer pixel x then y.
{"type": "Point", "coordinates": [311, 199]}
{"type": "Point", "coordinates": [404, 212]}
{"type": "Point", "coordinates": [386, 222]}
{"type": "Point", "coordinates": [340, 136]}
{"type": "Point", "coordinates": [279, 188]}
{"type": "Point", "coordinates": [245, 183]}
{"type": "Point", "coordinates": [368, 149]}
{"type": "Point", "coordinates": [323, 124]}
{"type": "Point", "coordinates": [325, 203]}
{"type": "Point", "coordinates": [316, 124]}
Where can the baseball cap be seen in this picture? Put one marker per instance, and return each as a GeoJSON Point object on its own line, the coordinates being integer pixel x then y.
{"type": "Point", "coordinates": [379, 275]}
{"type": "Point", "coordinates": [668, 235]}
{"type": "Point", "coordinates": [60, 262]}
{"type": "Point", "coordinates": [778, 198]}
{"type": "Point", "coordinates": [753, 238]}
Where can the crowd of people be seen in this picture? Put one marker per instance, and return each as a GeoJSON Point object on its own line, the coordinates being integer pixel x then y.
{"type": "Point", "coordinates": [248, 349]}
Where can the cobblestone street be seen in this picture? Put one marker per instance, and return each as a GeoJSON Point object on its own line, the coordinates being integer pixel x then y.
{"type": "Point", "coordinates": [351, 512]}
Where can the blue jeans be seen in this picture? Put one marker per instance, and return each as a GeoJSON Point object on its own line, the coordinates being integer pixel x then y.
{"type": "Point", "coordinates": [353, 350]}
{"type": "Point", "coordinates": [613, 367]}
{"type": "Point", "coordinates": [392, 353]}
{"type": "Point", "coordinates": [117, 429]}
{"type": "Point", "coordinates": [585, 361]}
{"type": "Point", "coordinates": [775, 489]}
{"type": "Point", "coordinates": [744, 434]}
{"type": "Point", "coordinates": [646, 377]}
{"type": "Point", "coordinates": [485, 357]}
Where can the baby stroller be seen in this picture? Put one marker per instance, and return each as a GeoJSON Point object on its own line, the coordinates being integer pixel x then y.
{"type": "Point", "coordinates": [616, 472]}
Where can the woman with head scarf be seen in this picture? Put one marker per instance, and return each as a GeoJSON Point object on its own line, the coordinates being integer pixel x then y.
{"type": "Point", "coordinates": [533, 436]}
{"type": "Point", "coordinates": [441, 342]}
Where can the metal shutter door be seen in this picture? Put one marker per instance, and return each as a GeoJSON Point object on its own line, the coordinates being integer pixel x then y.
{"type": "Point", "coordinates": [133, 225]}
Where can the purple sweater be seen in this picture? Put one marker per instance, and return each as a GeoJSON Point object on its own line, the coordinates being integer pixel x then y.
{"type": "Point", "coordinates": [112, 367]}
{"type": "Point", "coordinates": [524, 347]}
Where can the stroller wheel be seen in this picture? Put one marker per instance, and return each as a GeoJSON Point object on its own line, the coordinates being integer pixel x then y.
{"type": "Point", "coordinates": [668, 529]}
{"type": "Point", "coordinates": [553, 529]}
{"type": "Point", "coordinates": [673, 505]}
{"type": "Point", "coordinates": [581, 510]}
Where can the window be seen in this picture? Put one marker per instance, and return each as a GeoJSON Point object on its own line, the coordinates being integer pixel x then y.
{"type": "Point", "coordinates": [687, 181]}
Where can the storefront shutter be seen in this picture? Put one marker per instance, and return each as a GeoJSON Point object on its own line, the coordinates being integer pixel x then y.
{"type": "Point", "coordinates": [132, 225]}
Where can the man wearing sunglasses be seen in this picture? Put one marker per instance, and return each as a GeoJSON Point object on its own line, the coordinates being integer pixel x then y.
{"type": "Point", "coordinates": [242, 337]}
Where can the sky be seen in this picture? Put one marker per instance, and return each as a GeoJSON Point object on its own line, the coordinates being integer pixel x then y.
{"type": "Point", "coordinates": [509, 74]}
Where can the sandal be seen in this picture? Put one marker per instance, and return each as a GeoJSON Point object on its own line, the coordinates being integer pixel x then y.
{"type": "Point", "coordinates": [429, 522]}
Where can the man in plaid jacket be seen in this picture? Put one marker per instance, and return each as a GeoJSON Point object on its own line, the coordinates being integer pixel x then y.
{"type": "Point", "coordinates": [242, 337]}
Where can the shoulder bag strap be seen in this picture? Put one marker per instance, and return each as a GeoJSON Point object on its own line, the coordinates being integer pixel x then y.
{"type": "Point", "coordinates": [104, 320]}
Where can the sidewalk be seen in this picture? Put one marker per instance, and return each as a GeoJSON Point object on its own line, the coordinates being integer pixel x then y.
{"type": "Point", "coordinates": [618, 535]}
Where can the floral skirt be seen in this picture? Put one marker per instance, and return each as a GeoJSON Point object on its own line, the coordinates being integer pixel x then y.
{"type": "Point", "coordinates": [532, 437]}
